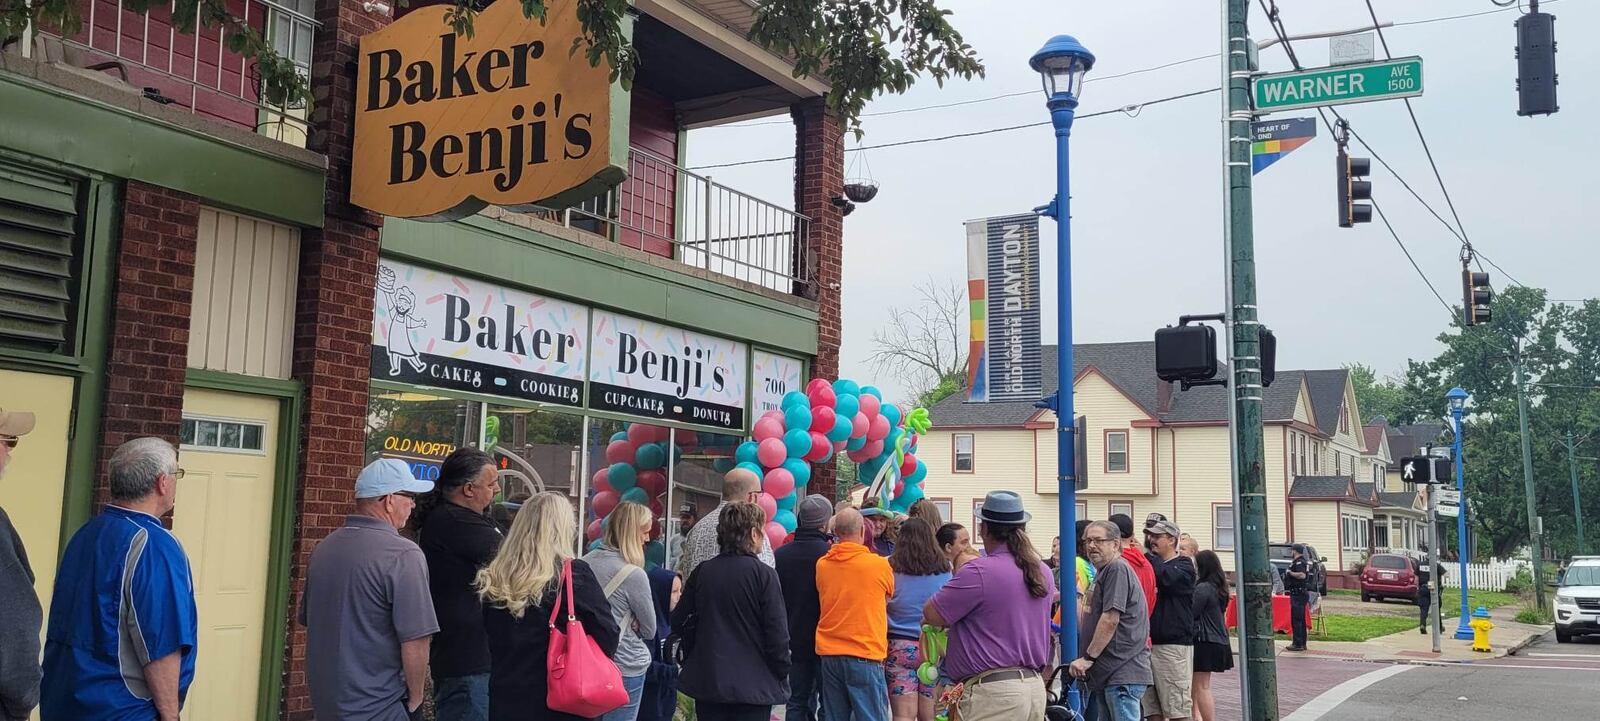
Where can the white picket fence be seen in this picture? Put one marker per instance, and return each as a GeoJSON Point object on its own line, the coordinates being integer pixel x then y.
{"type": "Point", "coordinates": [1490, 576]}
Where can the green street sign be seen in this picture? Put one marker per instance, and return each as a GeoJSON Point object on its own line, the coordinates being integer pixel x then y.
{"type": "Point", "coordinates": [1340, 85]}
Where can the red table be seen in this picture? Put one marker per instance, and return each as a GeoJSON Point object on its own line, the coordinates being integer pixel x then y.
{"type": "Point", "coordinates": [1280, 613]}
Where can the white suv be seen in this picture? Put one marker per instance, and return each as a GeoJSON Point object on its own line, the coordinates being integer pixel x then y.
{"type": "Point", "coordinates": [1578, 599]}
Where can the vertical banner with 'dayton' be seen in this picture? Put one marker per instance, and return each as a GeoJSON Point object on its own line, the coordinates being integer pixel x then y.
{"type": "Point", "coordinates": [1003, 290]}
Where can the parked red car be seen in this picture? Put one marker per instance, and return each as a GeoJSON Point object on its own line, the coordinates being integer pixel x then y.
{"type": "Point", "coordinates": [1389, 575]}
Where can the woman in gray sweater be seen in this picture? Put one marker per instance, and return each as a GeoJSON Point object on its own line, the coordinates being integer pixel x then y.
{"type": "Point", "coordinates": [619, 565]}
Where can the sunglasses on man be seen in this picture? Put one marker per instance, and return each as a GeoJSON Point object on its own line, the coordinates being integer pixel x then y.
{"type": "Point", "coordinates": [9, 441]}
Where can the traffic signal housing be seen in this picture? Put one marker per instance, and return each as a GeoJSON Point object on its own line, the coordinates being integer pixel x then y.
{"type": "Point", "coordinates": [1352, 189]}
{"type": "Point", "coordinates": [1536, 64]}
{"type": "Point", "coordinates": [1475, 297]}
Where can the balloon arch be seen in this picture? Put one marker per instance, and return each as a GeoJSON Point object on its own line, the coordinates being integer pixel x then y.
{"type": "Point", "coordinates": [810, 428]}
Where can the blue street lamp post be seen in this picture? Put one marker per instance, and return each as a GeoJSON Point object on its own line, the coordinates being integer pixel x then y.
{"type": "Point", "coordinates": [1458, 403]}
{"type": "Point", "coordinates": [1061, 65]}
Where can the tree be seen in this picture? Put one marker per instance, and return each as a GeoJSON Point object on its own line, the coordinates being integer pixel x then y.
{"type": "Point", "coordinates": [1375, 397]}
{"type": "Point", "coordinates": [860, 47]}
{"type": "Point", "coordinates": [926, 345]}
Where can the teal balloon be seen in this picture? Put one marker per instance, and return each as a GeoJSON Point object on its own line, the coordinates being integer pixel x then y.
{"type": "Point", "coordinates": [872, 391]}
{"type": "Point", "coordinates": [794, 398]}
{"type": "Point", "coordinates": [920, 473]}
{"type": "Point", "coordinates": [797, 418]}
{"type": "Point", "coordinates": [655, 553]}
{"type": "Point", "coordinates": [622, 477]}
{"type": "Point", "coordinates": [619, 436]}
{"type": "Point", "coordinates": [801, 471]}
{"type": "Point", "coordinates": [869, 468]}
{"type": "Point", "coordinates": [845, 387]}
{"type": "Point", "coordinates": [891, 412]}
{"type": "Point", "coordinates": [650, 456]}
{"type": "Point", "coordinates": [675, 452]}
{"type": "Point", "coordinates": [842, 427]}
{"type": "Point", "coordinates": [856, 444]}
{"type": "Point", "coordinates": [594, 544]}
{"type": "Point", "coordinates": [847, 406]}
{"type": "Point", "coordinates": [723, 465]}
{"type": "Point", "coordinates": [798, 441]}
{"type": "Point", "coordinates": [911, 494]}
{"type": "Point", "coordinates": [787, 502]}
{"type": "Point", "coordinates": [637, 495]}
{"type": "Point", "coordinates": [785, 518]}
{"type": "Point", "coordinates": [753, 468]}
{"type": "Point", "coordinates": [746, 452]}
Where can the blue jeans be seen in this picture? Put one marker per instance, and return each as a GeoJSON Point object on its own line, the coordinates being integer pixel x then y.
{"type": "Point", "coordinates": [804, 701]}
{"type": "Point", "coordinates": [630, 710]}
{"type": "Point", "coordinates": [461, 698]}
{"type": "Point", "coordinates": [853, 689]}
{"type": "Point", "coordinates": [1115, 703]}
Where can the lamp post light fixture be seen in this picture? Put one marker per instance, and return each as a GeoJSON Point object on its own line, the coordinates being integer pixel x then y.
{"type": "Point", "coordinates": [1061, 65]}
{"type": "Point", "coordinates": [1458, 403]}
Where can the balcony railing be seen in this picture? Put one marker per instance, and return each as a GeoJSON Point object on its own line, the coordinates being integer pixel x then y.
{"type": "Point", "coordinates": [193, 71]}
{"type": "Point", "coordinates": [665, 210]}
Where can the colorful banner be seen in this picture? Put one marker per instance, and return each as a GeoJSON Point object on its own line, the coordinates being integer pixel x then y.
{"type": "Point", "coordinates": [1003, 287]}
{"type": "Point", "coordinates": [771, 377]}
{"type": "Point", "coordinates": [647, 369]}
{"type": "Point", "coordinates": [1273, 139]}
{"type": "Point", "coordinates": [437, 329]}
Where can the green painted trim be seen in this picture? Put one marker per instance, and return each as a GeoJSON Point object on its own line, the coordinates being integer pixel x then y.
{"type": "Point", "coordinates": [524, 258]}
{"type": "Point", "coordinates": [97, 282]}
{"type": "Point", "coordinates": [290, 394]}
{"type": "Point", "coordinates": [50, 122]}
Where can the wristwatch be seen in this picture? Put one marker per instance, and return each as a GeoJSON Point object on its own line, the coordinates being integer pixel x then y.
{"type": "Point", "coordinates": [1091, 659]}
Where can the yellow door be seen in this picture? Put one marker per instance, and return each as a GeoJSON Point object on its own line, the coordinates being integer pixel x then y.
{"type": "Point", "coordinates": [224, 520]}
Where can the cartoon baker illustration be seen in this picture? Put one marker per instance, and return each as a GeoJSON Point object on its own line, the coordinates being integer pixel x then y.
{"type": "Point", "coordinates": [402, 303]}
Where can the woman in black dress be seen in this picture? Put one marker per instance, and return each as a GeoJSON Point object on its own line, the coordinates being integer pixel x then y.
{"type": "Point", "coordinates": [734, 630]}
{"type": "Point", "coordinates": [518, 589]}
{"type": "Point", "coordinates": [1212, 653]}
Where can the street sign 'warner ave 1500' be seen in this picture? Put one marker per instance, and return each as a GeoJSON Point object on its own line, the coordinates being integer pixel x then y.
{"type": "Point", "coordinates": [1397, 78]}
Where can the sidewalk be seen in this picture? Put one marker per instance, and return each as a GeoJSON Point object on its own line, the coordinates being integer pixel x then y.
{"type": "Point", "coordinates": [1506, 637]}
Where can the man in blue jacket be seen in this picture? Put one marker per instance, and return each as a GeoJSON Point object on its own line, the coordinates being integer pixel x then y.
{"type": "Point", "coordinates": [797, 573]}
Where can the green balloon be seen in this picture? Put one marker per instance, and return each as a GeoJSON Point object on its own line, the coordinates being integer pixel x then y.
{"type": "Point", "coordinates": [928, 673]}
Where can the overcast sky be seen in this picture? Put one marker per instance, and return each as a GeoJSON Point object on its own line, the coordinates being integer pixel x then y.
{"type": "Point", "coordinates": [1147, 213]}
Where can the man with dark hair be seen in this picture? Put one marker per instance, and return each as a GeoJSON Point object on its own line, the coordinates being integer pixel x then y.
{"type": "Point", "coordinates": [458, 538]}
{"type": "Point", "coordinates": [797, 572]}
{"type": "Point", "coordinates": [853, 590]}
{"type": "Point", "coordinates": [123, 624]}
{"type": "Point", "coordinates": [1295, 582]}
{"type": "Point", "coordinates": [1134, 555]}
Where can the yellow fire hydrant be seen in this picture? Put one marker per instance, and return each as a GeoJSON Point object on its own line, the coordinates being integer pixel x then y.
{"type": "Point", "coordinates": [1480, 630]}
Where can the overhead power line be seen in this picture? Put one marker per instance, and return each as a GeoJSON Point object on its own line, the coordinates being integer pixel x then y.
{"type": "Point", "coordinates": [1448, 309]}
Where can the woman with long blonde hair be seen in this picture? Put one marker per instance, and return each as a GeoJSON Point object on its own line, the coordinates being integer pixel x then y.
{"type": "Point", "coordinates": [519, 589]}
{"type": "Point", "coordinates": [619, 566]}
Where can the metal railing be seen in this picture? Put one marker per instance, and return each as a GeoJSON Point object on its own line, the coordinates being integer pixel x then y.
{"type": "Point", "coordinates": [196, 70]}
{"type": "Point", "coordinates": [666, 210]}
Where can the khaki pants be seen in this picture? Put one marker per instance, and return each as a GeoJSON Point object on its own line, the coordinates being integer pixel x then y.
{"type": "Point", "coordinates": [1173, 669]}
{"type": "Point", "coordinates": [1014, 700]}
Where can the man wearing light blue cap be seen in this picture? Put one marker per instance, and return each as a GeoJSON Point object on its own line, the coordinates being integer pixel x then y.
{"type": "Point", "coordinates": [367, 610]}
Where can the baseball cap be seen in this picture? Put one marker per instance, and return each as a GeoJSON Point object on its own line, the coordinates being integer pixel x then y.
{"type": "Point", "coordinates": [686, 509]}
{"type": "Point", "coordinates": [813, 511]}
{"type": "Point", "coordinates": [388, 475]}
{"type": "Point", "coordinates": [1163, 527]}
{"type": "Point", "coordinates": [1124, 524]}
{"type": "Point", "coordinates": [15, 423]}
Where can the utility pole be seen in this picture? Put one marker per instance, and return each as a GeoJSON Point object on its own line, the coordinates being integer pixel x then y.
{"type": "Point", "coordinates": [1535, 528]}
{"type": "Point", "coordinates": [1577, 504]}
{"type": "Point", "coordinates": [1260, 685]}
{"type": "Point", "coordinates": [1435, 603]}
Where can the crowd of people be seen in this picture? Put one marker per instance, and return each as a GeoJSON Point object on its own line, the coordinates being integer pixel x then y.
{"type": "Point", "coordinates": [861, 615]}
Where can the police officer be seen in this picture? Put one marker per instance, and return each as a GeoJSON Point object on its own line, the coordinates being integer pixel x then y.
{"type": "Point", "coordinates": [1296, 581]}
{"type": "Point", "coordinates": [1425, 577]}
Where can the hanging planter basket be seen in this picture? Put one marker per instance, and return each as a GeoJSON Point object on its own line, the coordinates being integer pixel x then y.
{"type": "Point", "coordinates": [860, 190]}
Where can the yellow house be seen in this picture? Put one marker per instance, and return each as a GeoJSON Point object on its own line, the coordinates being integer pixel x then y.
{"type": "Point", "coordinates": [1155, 449]}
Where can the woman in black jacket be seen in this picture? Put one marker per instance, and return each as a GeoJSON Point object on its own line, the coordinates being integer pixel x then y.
{"type": "Point", "coordinates": [733, 626]}
{"type": "Point", "coordinates": [519, 589]}
{"type": "Point", "coordinates": [1212, 653]}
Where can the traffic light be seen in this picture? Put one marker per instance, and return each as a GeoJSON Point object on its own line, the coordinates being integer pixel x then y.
{"type": "Point", "coordinates": [1536, 63]}
{"type": "Point", "coordinates": [1352, 189]}
{"type": "Point", "coordinates": [1475, 297]}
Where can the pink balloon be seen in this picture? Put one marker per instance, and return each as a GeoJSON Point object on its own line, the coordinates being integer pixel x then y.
{"type": "Point", "coordinates": [820, 448]}
{"type": "Point", "coordinates": [779, 483]}
{"type": "Point", "coordinates": [656, 508]}
{"type": "Point", "coordinates": [860, 455]}
{"type": "Point", "coordinates": [870, 405]}
{"type": "Point", "coordinates": [817, 383]}
{"type": "Point", "coordinates": [620, 452]}
{"type": "Point", "coordinates": [822, 419]}
{"type": "Point", "coordinates": [768, 428]}
{"type": "Point", "coordinates": [839, 446]}
{"type": "Point", "coordinates": [873, 448]}
{"type": "Point", "coordinates": [821, 397]}
{"type": "Point", "coordinates": [652, 481]}
{"type": "Point", "coordinates": [593, 531]}
{"type": "Point", "coordinates": [774, 414]}
{"type": "Point", "coordinates": [908, 465]}
{"type": "Point", "coordinates": [769, 505]}
{"type": "Point", "coordinates": [772, 452]}
{"type": "Point", "coordinates": [776, 534]}
{"type": "Point", "coordinates": [604, 502]}
{"type": "Point", "coordinates": [640, 434]}
{"type": "Point", "coordinates": [879, 428]}
{"type": "Point", "coordinates": [687, 440]}
{"type": "Point", "coordinates": [859, 425]}
{"type": "Point", "coordinates": [601, 483]}
{"type": "Point", "coordinates": [899, 488]}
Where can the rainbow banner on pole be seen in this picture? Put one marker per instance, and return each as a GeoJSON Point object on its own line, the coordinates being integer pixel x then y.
{"type": "Point", "coordinates": [1003, 293]}
{"type": "Point", "coordinates": [1273, 139]}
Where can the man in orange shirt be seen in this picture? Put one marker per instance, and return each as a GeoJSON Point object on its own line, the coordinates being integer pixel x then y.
{"type": "Point", "coordinates": [854, 585]}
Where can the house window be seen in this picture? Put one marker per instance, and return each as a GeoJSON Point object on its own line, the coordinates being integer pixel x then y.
{"type": "Point", "coordinates": [1377, 475]}
{"type": "Point", "coordinates": [977, 508]}
{"type": "Point", "coordinates": [1302, 455]}
{"type": "Point", "coordinates": [964, 444]}
{"type": "Point", "coordinates": [1082, 509]}
{"type": "Point", "coordinates": [1222, 527]}
{"type": "Point", "coordinates": [1294, 453]}
{"type": "Point", "coordinates": [220, 435]}
{"type": "Point", "coordinates": [1116, 452]}
{"type": "Point", "coordinates": [1316, 458]}
{"type": "Point", "coordinates": [1380, 535]}
{"type": "Point", "coordinates": [946, 507]}
{"type": "Point", "coordinates": [1344, 418]}
{"type": "Point", "coordinates": [1124, 508]}
{"type": "Point", "coordinates": [290, 30]}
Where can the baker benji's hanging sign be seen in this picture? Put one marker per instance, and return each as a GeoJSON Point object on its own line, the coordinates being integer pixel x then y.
{"type": "Point", "coordinates": [446, 123]}
{"type": "Point", "coordinates": [435, 329]}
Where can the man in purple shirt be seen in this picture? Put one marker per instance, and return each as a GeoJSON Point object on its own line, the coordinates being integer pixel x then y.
{"type": "Point", "coordinates": [998, 611]}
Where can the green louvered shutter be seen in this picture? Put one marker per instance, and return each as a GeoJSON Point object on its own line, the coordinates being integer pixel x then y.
{"type": "Point", "coordinates": [39, 246]}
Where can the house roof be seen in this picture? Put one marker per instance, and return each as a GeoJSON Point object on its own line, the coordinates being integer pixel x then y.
{"type": "Point", "coordinates": [1407, 440]}
{"type": "Point", "coordinates": [1327, 393]}
{"type": "Point", "coordinates": [1321, 487]}
{"type": "Point", "coordinates": [1398, 499]}
{"type": "Point", "coordinates": [1372, 438]}
{"type": "Point", "coordinates": [1131, 367]}
{"type": "Point", "coordinates": [1367, 491]}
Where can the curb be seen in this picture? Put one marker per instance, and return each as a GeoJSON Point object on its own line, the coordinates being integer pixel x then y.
{"type": "Point", "coordinates": [1529, 641]}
